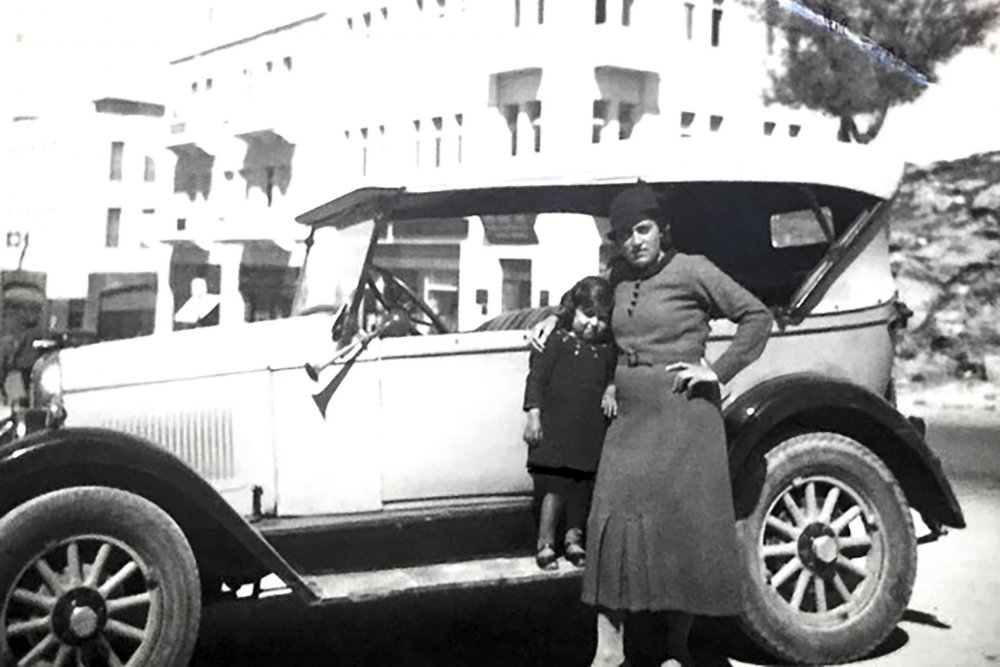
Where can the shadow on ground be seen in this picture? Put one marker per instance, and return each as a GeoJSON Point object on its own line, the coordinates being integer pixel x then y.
{"type": "Point", "coordinates": [543, 625]}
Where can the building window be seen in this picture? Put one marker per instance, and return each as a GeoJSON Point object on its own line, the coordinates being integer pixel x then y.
{"type": "Point", "coordinates": [714, 123]}
{"type": "Point", "coordinates": [716, 23]}
{"type": "Point", "coordinates": [117, 149]}
{"type": "Point", "coordinates": [269, 181]}
{"type": "Point", "coordinates": [794, 129]}
{"type": "Point", "coordinates": [416, 142]}
{"type": "Point", "coordinates": [287, 61]}
{"type": "Point", "coordinates": [626, 12]}
{"type": "Point", "coordinates": [364, 154]}
{"type": "Point", "coordinates": [269, 65]}
{"type": "Point", "coordinates": [517, 13]}
{"type": "Point", "coordinates": [687, 119]}
{"type": "Point", "coordinates": [438, 124]}
{"type": "Point", "coordinates": [208, 84]}
{"type": "Point", "coordinates": [770, 38]}
{"type": "Point", "coordinates": [458, 135]}
{"type": "Point", "coordinates": [600, 119]}
{"type": "Point", "coordinates": [74, 318]}
{"type": "Point", "coordinates": [350, 26]}
{"type": "Point", "coordinates": [626, 119]}
{"type": "Point", "coordinates": [149, 172]}
{"type": "Point", "coordinates": [689, 19]}
{"type": "Point", "coordinates": [601, 12]}
{"type": "Point", "coordinates": [385, 13]}
{"type": "Point", "coordinates": [511, 112]}
{"type": "Point", "coordinates": [534, 110]}
{"type": "Point", "coordinates": [182, 224]}
{"type": "Point", "coordinates": [380, 147]}
{"type": "Point", "coordinates": [194, 86]}
{"type": "Point", "coordinates": [516, 287]}
{"type": "Point", "coordinates": [112, 227]}
{"type": "Point", "coordinates": [541, 12]}
{"type": "Point", "coordinates": [768, 128]}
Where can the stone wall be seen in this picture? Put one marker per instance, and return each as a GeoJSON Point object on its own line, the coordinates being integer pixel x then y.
{"type": "Point", "coordinates": [945, 243]}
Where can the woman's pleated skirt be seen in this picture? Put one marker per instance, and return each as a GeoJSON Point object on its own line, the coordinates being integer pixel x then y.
{"type": "Point", "coordinates": [662, 533]}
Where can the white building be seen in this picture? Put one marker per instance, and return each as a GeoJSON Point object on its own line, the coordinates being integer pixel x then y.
{"type": "Point", "coordinates": [269, 124]}
{"type": "Point", "coordinates": [77, 248]}
{"type": "Point", "coordinates": [277, 112]}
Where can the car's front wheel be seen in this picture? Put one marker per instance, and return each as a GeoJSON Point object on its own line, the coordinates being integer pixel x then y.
{"type": "Point", "coordinates": [96, 576]}
{"type": "Point", "coordinates": [828, 549]}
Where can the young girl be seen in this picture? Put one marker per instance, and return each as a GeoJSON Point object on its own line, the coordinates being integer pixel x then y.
{"type": "Point", "coordinates": [568, 398]}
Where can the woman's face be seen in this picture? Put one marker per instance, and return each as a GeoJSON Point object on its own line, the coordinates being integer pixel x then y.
{"type": "Point", "coordinates": [641, 246]}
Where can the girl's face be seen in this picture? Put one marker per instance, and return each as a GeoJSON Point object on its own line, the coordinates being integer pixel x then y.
{"type": "Point", "coordinates": [588, 326]}
{"type": "Point", "coordinates": [641, 245]}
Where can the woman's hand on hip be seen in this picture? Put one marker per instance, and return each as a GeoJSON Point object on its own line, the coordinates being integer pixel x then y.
{"type": "Point", "coordinates": [689, 375]}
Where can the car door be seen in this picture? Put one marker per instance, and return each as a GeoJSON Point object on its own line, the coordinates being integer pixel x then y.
{"type": "Point", "coordinates": [326, 432]}
{"type": "Point", "coordinates": [451, 415]}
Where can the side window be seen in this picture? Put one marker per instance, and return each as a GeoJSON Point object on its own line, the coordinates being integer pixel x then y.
{"type": "Point", "coordinates": [799, 228]}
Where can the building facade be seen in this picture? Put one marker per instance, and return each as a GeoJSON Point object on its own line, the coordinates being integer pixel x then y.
{"type": "Point", "coordinates": [80, 250]}
{"type": "Point", "coordinates": [275, 113]}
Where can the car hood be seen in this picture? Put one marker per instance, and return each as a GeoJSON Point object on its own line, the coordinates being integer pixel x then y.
{"type": "Point", "coordinates": [214, 351]}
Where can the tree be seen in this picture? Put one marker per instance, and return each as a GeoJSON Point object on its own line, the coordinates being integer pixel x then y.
{"type": "Point", "coordinates": [861, 57]}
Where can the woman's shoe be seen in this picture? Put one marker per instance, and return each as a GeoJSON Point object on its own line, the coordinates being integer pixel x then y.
{"type": "Point", "coordinates": [546, 558]}
{"type": "Point", "coordinates": [576, 554]}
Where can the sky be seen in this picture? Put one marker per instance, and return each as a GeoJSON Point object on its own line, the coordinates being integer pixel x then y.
{"type": "Point", "coordinates": [61, 54]}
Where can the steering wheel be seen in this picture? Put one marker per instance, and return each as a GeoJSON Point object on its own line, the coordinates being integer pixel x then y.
{"type": "Point", "coordinates": [397, 295]}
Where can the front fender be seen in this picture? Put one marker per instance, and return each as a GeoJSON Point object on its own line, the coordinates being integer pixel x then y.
{"type": "Point", "coordinates": [810, 401]}
{"type": "Point", "coordinates": [223, 542]}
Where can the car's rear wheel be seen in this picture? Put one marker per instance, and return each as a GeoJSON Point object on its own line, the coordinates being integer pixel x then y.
{"type": "Point", "coordinates": [96, 576]}
{"type": "Point", "coordinates": [828, 549]}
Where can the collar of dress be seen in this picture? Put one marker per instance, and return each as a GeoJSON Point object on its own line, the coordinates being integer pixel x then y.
{"type": "Point", "coordinates": [656, 266]}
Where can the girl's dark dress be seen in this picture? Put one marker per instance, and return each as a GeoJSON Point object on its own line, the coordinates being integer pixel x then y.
{"type": "Point", "coordinates": [662, 532]}
{"type": "Point", "coordinates": [567, 380]}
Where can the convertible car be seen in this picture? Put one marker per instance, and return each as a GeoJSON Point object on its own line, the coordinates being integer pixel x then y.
{"type": "Point", "coordinates": [364, 447]}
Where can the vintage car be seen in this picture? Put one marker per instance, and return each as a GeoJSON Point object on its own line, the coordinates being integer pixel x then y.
{"type": "Point", "coordinates": [362, 448]}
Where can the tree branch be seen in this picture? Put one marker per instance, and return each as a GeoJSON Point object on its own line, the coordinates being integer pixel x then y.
{"type": "Point", "coordinates": [873, 129]}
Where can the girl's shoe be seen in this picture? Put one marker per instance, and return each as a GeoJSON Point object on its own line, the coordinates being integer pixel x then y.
{"type": "Point", "coordinates": [576, 554]}
{"type": "Point", "coordinates": [546, 558]}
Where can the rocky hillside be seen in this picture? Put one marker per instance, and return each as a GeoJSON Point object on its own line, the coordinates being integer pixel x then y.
{"type": "Point", "coordinates": [945, 243]}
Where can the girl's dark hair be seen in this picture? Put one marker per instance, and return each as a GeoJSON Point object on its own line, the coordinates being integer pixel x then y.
{"type": "Point", "coordinates": [593, 294]}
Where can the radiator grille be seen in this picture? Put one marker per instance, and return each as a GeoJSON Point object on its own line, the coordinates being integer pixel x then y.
{"type": "Point", "coordinates": [202, 439]}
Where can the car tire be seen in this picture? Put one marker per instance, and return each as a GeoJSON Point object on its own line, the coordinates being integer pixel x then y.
{"type": "Point", "coordinates": [828, 550]}
{"type": "Point", "coordinates": [87, 571]}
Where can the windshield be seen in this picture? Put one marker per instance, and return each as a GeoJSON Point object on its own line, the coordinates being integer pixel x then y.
{"type": "Point", "coordinates": [332, 267]}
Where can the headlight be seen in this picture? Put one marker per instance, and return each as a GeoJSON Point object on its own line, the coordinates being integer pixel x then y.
{"type": "Point", "coordinates": [47, 381]}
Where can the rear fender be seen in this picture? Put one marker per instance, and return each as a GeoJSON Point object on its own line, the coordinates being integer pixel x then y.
{"type": "Point", "coordinates": [758, 420]}
{"type": "Point", "coordinates": [225, 545]}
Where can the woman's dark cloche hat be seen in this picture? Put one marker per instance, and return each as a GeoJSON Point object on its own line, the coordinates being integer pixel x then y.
{"type": "Point", "coordinates": [637, 203]}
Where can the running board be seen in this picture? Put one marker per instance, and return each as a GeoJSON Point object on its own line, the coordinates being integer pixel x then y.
{"type": "Point", "coordinates": [380, 584]}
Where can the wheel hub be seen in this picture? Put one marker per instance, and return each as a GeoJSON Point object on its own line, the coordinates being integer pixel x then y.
{"type": "Point", "coordinates": [79, 615]}
{"type": "Point", "coordinates": [818, 547]}
{"type": "Point", "coordinates": [83, 622]}
{"type": "Point", "coordinates": [825, 549]}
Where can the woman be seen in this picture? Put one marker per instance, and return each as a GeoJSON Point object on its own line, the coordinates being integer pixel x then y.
{"type": "Point", "coordinates": [661, 535]}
